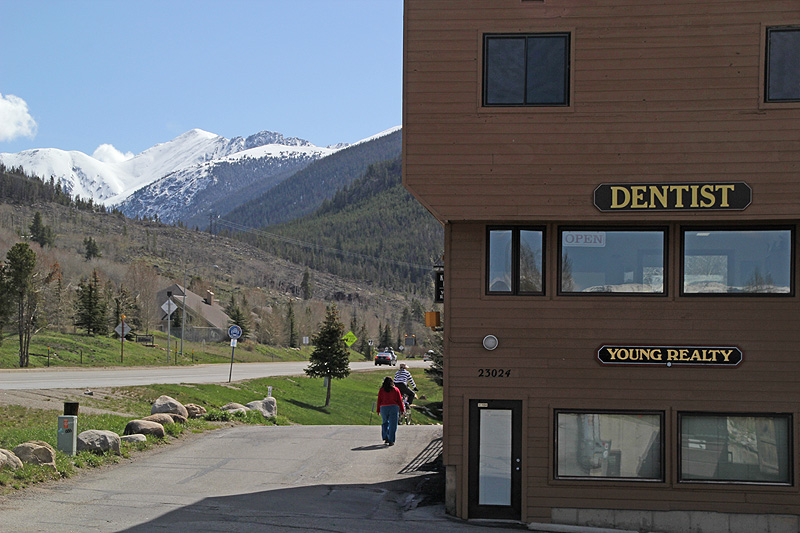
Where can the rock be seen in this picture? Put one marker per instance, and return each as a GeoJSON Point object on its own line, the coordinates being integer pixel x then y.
{"type": "Point", "coordinates": [136, 437]}
{"type": "Point", "coordinates": [195, 411]}
{"type": "Point", "coordinates": [233, 406]}
{"type": "Point", "coordinates": [268, 407]}
{"type": "Point", "coordinates": [145, 427]}
{"type": "Point", "coordinates": [178, 419]}
{"type": "Point", "coordinates": [165, 404]}
{"type": "Point", "coordinates": [98, 441]}
{"type": "Point", "coordinates": [8, 458]}
{"type": "Point", "coordinates": [161, 418]}
{"type": "Point", "coordinates": [36, 452]}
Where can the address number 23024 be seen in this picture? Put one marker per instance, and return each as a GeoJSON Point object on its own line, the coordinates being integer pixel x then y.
{"type": "Point", "coordinates": [494, 373]}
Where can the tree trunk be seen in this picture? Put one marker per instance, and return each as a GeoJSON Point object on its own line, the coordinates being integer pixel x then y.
{"type": "Point", "coordinates": [328, 396]}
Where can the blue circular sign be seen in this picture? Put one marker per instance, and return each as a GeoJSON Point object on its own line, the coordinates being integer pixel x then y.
{"type": "Point", "coordinates": [234, 332]}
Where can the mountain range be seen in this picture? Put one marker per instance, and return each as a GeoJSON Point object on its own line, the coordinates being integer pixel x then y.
{"type": "Point", "coordinates": [182, 180]}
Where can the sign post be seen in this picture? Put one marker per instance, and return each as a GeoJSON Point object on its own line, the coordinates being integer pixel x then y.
{"type": "Point", "coordinates": [122, 329]}
{"type": "Point", "coordinates": [168, 307]}
{"type": "Point", "coordinates": [234, 332]}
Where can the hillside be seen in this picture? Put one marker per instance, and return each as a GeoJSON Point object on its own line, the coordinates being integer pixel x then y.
{"type": "Point", "coordinates": [226, 267]}
{"type": "Point", "coordinates": [306, 190]}
{"type": "Point", "coordinates": [372, 230]}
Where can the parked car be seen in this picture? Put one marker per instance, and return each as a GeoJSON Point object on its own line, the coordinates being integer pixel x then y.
{"type": "Point", "coordinates": [428, 356]}
{"type": "Point", "coordinates": [386, 358]}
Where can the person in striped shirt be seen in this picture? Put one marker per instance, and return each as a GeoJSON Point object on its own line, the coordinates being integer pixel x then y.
{"type": "Point", "coordinates": [404, 382]}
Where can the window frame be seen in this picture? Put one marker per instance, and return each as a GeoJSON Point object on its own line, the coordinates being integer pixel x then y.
{"type": "Point", "coordinates": [769, 30]}
{"type": "Point", "coordinates": [515, 258]}
{"type": "Point", "coordinates": [605, 479]}
{"type": "Point", "coordinates": [682, 251]}
{"type": "Point", "coordinates": [665, 231]}
{"type": "Point", "coordinates": [790, 449]}
{"type": "Point", "coordinates": [567, 81]}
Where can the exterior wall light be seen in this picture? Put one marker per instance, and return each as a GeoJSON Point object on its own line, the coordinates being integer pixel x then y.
{"type": "Point", "coordinates": [490, 342]}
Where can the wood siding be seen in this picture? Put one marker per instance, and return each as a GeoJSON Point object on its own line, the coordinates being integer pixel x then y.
{"type": "Point", "coordinates": [661, 92]}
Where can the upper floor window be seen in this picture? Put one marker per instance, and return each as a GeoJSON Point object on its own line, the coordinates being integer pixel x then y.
{"type": "Point", "coordinates": [783, 65]}
{"type": "Point", "coordinates": [617, 261]}
{"type": "Point", "coordinates": [526, 69]}
{"type": "Point", "coordinates": [753, 261]}
{"type": "Point", "coordinates": [515, 261]}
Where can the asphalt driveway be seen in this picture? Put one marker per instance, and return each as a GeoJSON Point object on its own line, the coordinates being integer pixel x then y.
{"type": "Point", "coordinates": [251, 478]}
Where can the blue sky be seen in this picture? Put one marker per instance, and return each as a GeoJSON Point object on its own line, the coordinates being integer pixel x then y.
{"type": "Point", "coordinates": [133, 73]}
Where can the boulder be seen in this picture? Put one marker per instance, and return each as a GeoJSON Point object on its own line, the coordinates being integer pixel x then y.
{"type": "Point", "coordinates": [233, 406]}
{"type": "Point", "coordinates": [136, 437]}
{"type": "Point", "coordinates": [7, 458]}
{"type": "Point", "coordinates": [268, 407]}
{"type": "Point", "coordinates": [195, 411]}
{"type": "Point", "coordinates": [161, 418]}
{"type": "Point", "coordinates": [145, 427]}
{"type": "Point", "coordinates": [36, 452]}
{"type": "Point", "coordinates": [165, 404]}
{"type": "Point", "coordinates": [98, 441]}
{"type": "Point", "coordinates": [176, 418]}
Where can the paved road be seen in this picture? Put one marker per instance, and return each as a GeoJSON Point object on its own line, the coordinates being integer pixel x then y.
{"type": "Point", "coordinates": [251, 478]}
{"type": "Point", "coordinates": [78, 378]}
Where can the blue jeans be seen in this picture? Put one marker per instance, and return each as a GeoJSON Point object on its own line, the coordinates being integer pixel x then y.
{"type": "Point", "coordinates": [389, 414]}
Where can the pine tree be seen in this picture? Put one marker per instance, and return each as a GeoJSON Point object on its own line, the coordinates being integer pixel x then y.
{"type": "Point", "coordinates": [91, 249]}
{"type": "Point", "coordinates": [291, 327]}
{"type": "Point", "coordinates": [436, 371]}
{"type": "Point", "coordinates": [41, 234]}
{"type": "Point", "coordinates": [239, 317]}
{"type": "Point", "coordinates": [307, 285]}
{"type": "Point", "coordinates": [90, 307]}
{"type": "Point", "coordinates": [330, 358]}
{"type": "Point", "coordinates": [18, 287]}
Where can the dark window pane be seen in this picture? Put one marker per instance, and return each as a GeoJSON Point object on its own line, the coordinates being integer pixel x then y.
{"type": "Point", "coordinates": [547, 70]}
{"type": "Point", "coordinates": [754, 262]}
{"type": "Point", "coordinates": [500, 260]}
{"type": "Point", "coordinates": [783, 51]}
{"type": "Point", "coordinates": [612, 261]}
{"type": "Point", "coordinates": [607, 445]}
{"type": "Point", "coordinates": [505, 70]}
{"type": "Point", "coordinates": [735, 448]}
{"type": "Point", "coordinates": [530, 261]}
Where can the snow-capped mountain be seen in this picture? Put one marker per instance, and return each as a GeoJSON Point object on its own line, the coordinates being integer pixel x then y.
{"type": "Point", "coordinates": [110, 182]}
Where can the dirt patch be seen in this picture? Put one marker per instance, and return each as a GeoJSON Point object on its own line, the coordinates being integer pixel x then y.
{"type": "Point", "coordinates": [53, 400]}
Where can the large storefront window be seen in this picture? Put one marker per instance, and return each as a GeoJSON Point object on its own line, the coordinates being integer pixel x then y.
{"type": "Point", "coordinates": [737, 261]}
{"type": "Point", "coordinates": [629, 261]}
{"type": "Point", "coordinates": [515, 262]}
{"type": "Point", "coordinates": [609, 445]}
{"type": "Point", "coordinates": [755, 449]}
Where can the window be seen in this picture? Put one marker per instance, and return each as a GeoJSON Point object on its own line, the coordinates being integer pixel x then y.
{"type": "Point", "coordinates": [617, 261]}
{"type": "Point", "coordinates": [755, 449]}
{"type": "Point", "coordinates": [515, 262]}
{"type": "Point", "coordinates": [783, 65]}
{"type": "Point", "coordinates": [526, 70]}
{"type": "Point", "coordinates": [609, 445]}
{"type": "Point", "coordinates": [757, 261]}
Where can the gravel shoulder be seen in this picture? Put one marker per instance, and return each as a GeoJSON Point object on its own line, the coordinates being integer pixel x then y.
{"type": "Point", "coordinates": [53, 399]}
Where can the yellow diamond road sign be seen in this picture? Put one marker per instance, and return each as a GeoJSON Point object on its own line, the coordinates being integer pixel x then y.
{"type": "Point", "coordinates": [349, 338]}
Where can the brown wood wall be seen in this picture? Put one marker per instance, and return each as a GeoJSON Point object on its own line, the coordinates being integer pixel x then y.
{"type": "Point", "coordinates": [662, 92]}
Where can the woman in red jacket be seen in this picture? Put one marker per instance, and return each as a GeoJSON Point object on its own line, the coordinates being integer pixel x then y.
{"type": "Point", "coordinates": [390, 405]}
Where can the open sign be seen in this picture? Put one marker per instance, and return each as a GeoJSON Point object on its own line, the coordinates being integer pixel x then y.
{"type": "Point", "coordinates": [596, 239]}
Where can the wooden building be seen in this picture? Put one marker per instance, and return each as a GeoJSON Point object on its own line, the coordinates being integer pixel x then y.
{"type": "Point", "coordinates": [619, 184]}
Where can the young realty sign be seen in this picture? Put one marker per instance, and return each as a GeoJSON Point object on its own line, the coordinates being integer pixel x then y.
{"type": "Point", "coordinates": [670, 355]}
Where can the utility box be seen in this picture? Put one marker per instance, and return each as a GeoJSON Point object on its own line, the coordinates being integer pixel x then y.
{"type": "Point", "coordinates": [68, 434]}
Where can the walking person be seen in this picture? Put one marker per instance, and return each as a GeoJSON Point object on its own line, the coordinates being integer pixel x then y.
{"type": "Point", "coordinates": [405, 383]}
{"type": "Point", "coordinates": [390, 405]}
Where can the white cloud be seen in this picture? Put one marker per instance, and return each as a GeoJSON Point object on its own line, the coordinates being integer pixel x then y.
{"type": "Point", "coordinates": [108, 154]}
{"type": "Point", "coordinates": [15, 121]}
